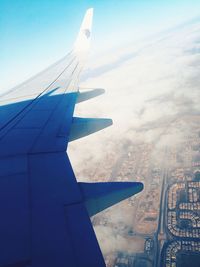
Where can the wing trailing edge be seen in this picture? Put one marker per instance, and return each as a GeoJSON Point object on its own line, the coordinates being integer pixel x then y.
{"type": "Point", "coordinates": [100, 196]}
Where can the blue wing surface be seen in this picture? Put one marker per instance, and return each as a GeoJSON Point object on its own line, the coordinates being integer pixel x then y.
{"type": "Point", "coordinates": [45, 213]}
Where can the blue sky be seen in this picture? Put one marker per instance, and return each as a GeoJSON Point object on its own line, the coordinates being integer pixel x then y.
{"type": "Point", "coordinates": [36, 33]}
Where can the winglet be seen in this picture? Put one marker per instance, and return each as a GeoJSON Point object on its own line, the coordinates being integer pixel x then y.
{"type": "Point", "coordinates": [100, 196]}
{"type": "Point", "coordinates": [82, 43]}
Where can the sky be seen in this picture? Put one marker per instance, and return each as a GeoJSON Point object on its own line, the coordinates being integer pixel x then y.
{"type": "Point", "coordinates": [34, 34]}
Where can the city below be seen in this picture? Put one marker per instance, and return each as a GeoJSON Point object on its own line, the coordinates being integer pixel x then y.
{"type": "Point", "coordinates": [163, 228]}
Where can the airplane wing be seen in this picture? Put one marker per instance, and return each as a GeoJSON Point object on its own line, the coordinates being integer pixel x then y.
{"type": "Point", "coordinates": [45, 213]}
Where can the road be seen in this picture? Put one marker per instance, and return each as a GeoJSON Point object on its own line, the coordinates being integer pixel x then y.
{"type": "Point", "coordinates": [160, 235]}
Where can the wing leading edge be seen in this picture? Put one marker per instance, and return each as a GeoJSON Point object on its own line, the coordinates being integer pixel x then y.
{"type": "Point", "coordinates": [44, 211]}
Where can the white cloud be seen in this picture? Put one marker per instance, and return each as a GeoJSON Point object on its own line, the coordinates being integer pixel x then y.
{"type": "Point", "coordinates": [149, 93]}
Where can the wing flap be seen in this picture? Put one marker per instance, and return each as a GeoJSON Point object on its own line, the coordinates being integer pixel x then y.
{"type": "Point", "coordinates": [100, 196]}
{"type": "Point", "coordinates": [85, 126]}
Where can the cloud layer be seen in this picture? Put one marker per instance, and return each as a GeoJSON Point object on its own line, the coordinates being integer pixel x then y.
{"type": "Point", "coordinates": [152, 88]}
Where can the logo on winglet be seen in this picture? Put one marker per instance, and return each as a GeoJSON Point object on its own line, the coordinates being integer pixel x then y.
{"type": "Point", "coordinates": [87, 33]}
